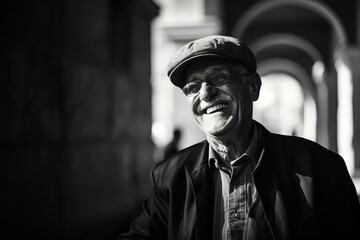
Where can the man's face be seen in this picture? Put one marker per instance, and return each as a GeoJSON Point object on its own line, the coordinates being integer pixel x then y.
{"type": "Point", "coordinates": [220, 110]}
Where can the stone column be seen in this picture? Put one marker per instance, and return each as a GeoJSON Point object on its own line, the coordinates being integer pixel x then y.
{"type": "Point", "coordinates": [354, 58]}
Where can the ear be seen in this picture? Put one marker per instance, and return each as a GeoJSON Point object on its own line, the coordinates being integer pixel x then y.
{"type": "Point", "coordinates": [254, 86]}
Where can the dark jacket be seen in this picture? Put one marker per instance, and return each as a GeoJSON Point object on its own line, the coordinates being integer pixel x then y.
{"type": "Point", "coordinates": [305, 189]}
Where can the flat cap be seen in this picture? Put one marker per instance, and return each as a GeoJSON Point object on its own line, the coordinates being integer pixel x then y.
{"type": "Point", "coordinates": [212, 46]}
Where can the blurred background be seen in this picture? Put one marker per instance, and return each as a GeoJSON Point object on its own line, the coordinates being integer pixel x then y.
{"type": "Point", "coordinates": [87, 109]}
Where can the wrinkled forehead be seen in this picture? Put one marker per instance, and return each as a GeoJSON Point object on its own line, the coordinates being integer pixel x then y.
{"type": "Point", "coordinates": [207, 66]}
{"type": "Point", "coordinates": [203, 64]}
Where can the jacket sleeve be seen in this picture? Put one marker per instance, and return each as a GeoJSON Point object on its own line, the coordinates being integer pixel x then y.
{"type": "Point", "coordinates": [152, 222]}
{"type": "Point", "coordinates": [343, 204]}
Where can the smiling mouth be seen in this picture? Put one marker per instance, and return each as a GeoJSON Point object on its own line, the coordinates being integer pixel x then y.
{"type": "Point", "coordinates": [215, 108]}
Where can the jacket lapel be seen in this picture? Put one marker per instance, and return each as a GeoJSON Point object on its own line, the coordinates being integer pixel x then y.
{"type": "Point", "coordinates": [202, 186]}
{"type": "Point", "coordinates": [276, 187]}
{"type": "Point", "coordinates": [271, 197]}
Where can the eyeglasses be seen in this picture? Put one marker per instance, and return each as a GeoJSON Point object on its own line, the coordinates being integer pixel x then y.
{"type": "Point", "coordinates": [192, 88]}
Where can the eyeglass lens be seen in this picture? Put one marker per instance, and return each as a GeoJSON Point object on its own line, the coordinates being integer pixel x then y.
{"type": "Point", "coordinates": [194, 86]}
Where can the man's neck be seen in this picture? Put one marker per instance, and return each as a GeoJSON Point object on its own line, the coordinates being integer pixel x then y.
{"type": "Point", "coordinates": [233, 146]}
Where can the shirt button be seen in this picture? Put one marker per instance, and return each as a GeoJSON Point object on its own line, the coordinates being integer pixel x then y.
{"type": "Point", "coordinates": [237, 216]}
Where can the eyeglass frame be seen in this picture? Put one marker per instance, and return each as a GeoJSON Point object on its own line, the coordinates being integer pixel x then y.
{"type": "Point", "coordinates": [228, 79]}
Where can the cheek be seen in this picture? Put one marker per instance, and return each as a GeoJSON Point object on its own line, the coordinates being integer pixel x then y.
{"type": "Point", "coordinates": [244, 108]}
{"type": "Point", "coordinates": [241, 106]}
{"type": "Point", "coordinates": [193, 104]}
{"type": "Point", "coordinates": [242, 98]}
{"type": "Point", "coordinates": [237, 108]}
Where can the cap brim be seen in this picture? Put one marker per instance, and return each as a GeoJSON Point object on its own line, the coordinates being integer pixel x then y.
{"type": "Point", "coordinates": [177, 75]}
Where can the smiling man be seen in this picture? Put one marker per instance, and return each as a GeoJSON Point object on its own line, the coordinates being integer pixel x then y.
{"type": "Point", "coordinates": [243, 182]}
{"type": "Point", "coordinates": [220, 94]}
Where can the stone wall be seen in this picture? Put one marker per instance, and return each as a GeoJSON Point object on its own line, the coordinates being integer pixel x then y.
{"type": "Point", "coordinates": [75, 117]}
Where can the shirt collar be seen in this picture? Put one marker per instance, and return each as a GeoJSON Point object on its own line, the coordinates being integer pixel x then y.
{"type": "Point", "coordinates": [254, 151]}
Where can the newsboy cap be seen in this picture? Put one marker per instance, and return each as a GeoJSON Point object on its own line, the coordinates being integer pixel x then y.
{"type": "Point", "coordinates": [212, 46]}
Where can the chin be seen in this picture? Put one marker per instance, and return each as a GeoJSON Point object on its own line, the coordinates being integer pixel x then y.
{"type": "Point", "coordinates": [218, 131]}
{"type": "Point", "coordinates": [218, 127]}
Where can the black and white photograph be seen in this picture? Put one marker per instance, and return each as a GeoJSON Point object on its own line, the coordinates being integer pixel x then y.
{"type": "Point", "coordinates": [180, 120]}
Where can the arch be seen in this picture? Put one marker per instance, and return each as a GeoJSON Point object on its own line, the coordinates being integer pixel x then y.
{"type": "Point", "coordinates": [286, 107]}
{"type": "Point", "coordinates": [288, 67]}
{"type": "Point", "coordinates": [289, 40]}
{"type": "Point", "coordinates": [297, 42]}
{"type": "Point", "coordinates": [319, 7]}
{"type": "Point", "coordinates": [320, 94]}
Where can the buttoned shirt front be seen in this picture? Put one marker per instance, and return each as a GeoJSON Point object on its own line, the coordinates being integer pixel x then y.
{"type": "Point", "coordinates": [238, 212]}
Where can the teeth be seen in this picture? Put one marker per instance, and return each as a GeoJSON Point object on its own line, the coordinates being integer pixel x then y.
{"type": "Point", "coordinates": [215, 108]}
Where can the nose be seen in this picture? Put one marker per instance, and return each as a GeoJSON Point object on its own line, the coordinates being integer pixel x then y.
{"type": "Point", "coordinates": [206, 91]}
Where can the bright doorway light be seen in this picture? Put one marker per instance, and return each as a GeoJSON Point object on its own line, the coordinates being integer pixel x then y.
{"type": "Point", "coordinates": [284, 107]}
{"type": "Point", "coordinates": [345, 130]}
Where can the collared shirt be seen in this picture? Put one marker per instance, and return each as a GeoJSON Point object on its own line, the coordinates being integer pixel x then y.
{"type": "Point", "coordinates": [238, 210]}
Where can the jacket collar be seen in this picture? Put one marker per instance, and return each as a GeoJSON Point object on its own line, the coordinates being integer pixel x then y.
{"type": "Point", "coordinates": [198, 159]}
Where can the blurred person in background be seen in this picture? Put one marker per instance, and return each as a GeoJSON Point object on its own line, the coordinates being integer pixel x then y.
{"type": "Point", "coordinates": [173, 146]}
{"type": "Point", "coordinates": [242, 182]}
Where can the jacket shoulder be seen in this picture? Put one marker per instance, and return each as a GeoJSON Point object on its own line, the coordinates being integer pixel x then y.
{"type": "Point", "coordinates": [292, 146]}
{"type": "Point", "coordinates": [301, 153]}
{"type": "Point", "coordinates": [185, 160]}
{"type": "Point", "coordinates": [298, 144]}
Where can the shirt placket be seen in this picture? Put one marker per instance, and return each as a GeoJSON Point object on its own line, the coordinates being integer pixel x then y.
{"type": "Point", "coordinates": [237, 203]}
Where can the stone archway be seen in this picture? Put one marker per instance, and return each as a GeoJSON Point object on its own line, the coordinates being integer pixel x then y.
{"type": "Point", "coordinates": [299, 74]}
{"type": "Point", "coordinates": [339, 43]}
{"type": "Point", "coordinates": [317, 7]}
{"type": "Point", "coordinates": [319, 93]}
